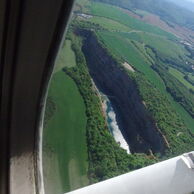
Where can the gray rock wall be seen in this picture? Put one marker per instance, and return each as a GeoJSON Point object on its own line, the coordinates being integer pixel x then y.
{"type": "Point", "coordinates": [138, 128]}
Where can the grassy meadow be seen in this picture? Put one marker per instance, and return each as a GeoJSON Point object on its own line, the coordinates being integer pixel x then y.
{"type": "Point", "coordinates": [167, 48]}
{"type": "Point", "coordinates": [117, 14]}
{"type": "Point", "coordinates": [64, 142]}
{"type": "Point", "coordinates": [66, 57]}
{"type": "Point", "coordinates": [130, 47]}
{"type": "Point", "coordinates": [109, 24]}
{"type": "Point", "coordinates": [121, 48]}
{"type": "Point", "coordinates": [128, 52]}
{"type": "Point", "coordinates": [180, 77]}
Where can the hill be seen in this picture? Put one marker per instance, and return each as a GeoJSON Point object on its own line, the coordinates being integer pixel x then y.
{"type": "Point", "coordinates": [135, 54]}
{"type": "Point", "coordinates": [168, 11]}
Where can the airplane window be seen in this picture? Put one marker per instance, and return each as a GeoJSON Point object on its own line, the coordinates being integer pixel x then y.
{"type": "Point", "coordinates": [121, 95]}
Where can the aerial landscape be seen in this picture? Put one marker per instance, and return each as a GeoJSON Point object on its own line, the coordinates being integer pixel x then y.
{"type": "Point", "coordinates": [122, 92]}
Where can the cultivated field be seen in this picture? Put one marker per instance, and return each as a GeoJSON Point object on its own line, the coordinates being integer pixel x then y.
{"type": "Point", "coordinates": [128, 52]}
{"type": "Point", "coordinates": [66, 57]}
{"type": "Point", "coordinates": [120, 43]}
{"type": "Point", "coordinates": [138, 45]}
{"type": "Point", "coordinates": [65, 137]}
{"type": "Point", "coordinates": [109, 24]}
{"type": "Point", "coordinates": [114, 13]}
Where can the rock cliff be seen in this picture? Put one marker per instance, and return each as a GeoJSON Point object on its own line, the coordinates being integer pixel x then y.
{"type": "Point", "coordinates": [137, 126]}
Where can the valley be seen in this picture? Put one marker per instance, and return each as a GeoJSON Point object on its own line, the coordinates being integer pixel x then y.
{"type": "Point", "coordinates": [142, 67]}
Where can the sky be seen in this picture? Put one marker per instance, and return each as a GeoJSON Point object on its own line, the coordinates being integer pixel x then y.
{"type": "Point", "coordinates": [188, 4]}
{"type": "Point", "coordinates": [183, 1]}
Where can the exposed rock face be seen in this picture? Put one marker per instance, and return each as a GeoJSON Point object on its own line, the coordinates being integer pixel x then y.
{"type": "Point", "coordinates": [138, 128]}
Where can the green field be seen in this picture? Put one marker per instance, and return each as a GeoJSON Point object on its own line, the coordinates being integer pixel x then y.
{"type": "Point", "coordinates": [66, 57]}
{"type": "Point", "coordinates": [165, 47]}
{"type": "Point", "coordinates": [144, 52]}
{"type": "Point", "coordinates": [83, 6]}
{"type": "Point", "coordinates": [165, 43]}
{"type": "Point", "coordinates": [128, 52]}
{"type": "Point", "coordinates": [191, 77]}
{"type": "Point", "coordinates": [120, 43]}
{"type": "Point", "coordinates": [115, 13]}
{"type": "Point", "coordinates": [188, 120]}
{"type": "Point", "coordinates": [109, 24]}
{"type": "Point", "coordinates": [141, 12]}
{"type": "Point", "coordinates": [65, 150]}
{"type": "Point", "coordinates": [180, 77]}
{"type": "Point", "coordinates": [125, 50]}
{"type": "Point", "coordinates": [69, 158]}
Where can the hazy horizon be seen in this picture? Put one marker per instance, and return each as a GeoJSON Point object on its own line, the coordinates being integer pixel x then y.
{"type": "Point", "coordinates": [188, 4]}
